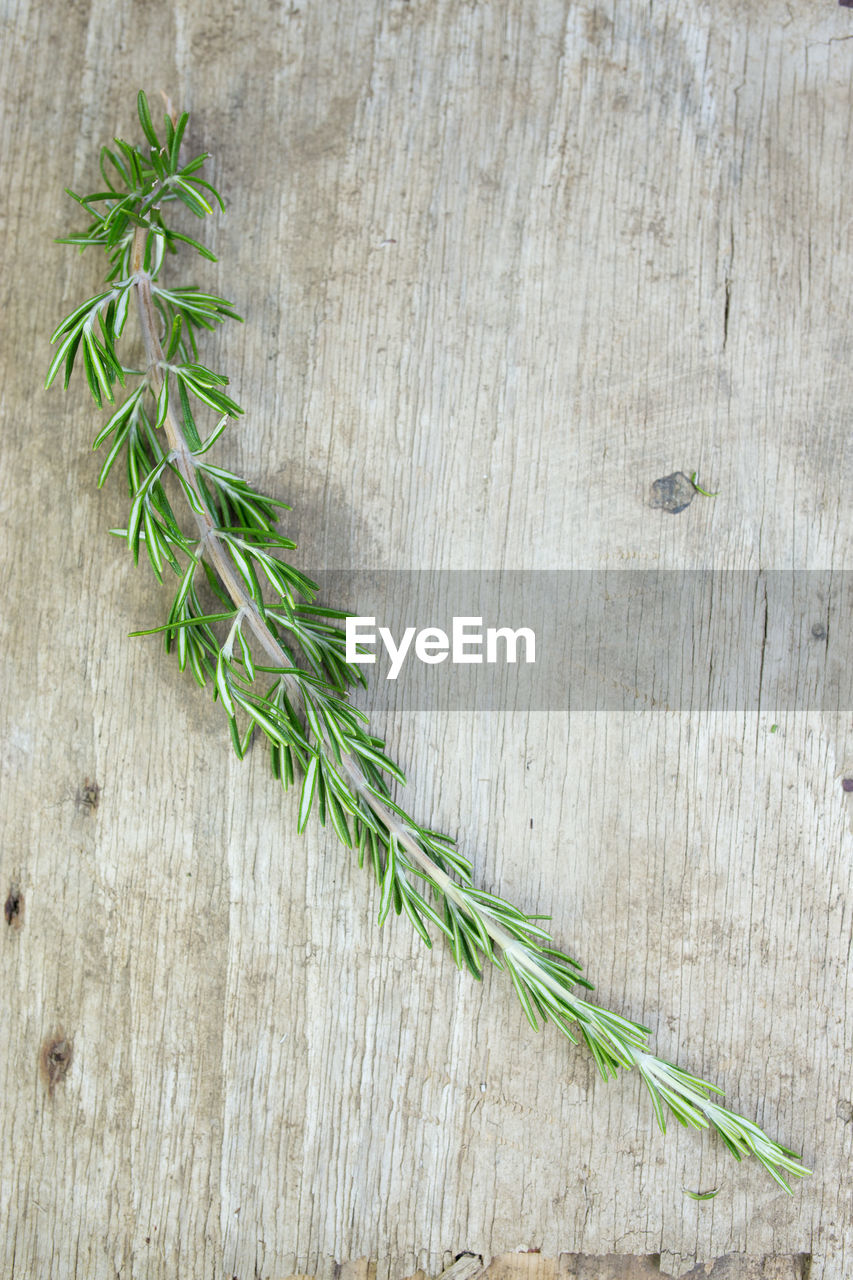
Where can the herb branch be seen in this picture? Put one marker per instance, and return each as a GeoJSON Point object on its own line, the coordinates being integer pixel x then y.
{"type": "Point", "coordinates": [280, 672]}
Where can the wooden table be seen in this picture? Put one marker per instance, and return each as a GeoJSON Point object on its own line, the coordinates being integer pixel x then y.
{"type": "Point", "coordinates": [503, 266]}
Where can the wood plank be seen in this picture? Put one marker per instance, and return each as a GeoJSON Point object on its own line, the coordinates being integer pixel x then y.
{"type": "Point", "coordinates": [503, 266]}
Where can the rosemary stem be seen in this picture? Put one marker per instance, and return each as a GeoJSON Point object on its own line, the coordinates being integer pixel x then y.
{"type": "Point", "coordinates": [615, 1041]}
{"type": "Point", "coordinates": [306, 716]}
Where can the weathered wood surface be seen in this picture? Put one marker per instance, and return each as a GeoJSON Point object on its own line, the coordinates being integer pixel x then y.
{"type": "Point", "coordinates": [503, 266]}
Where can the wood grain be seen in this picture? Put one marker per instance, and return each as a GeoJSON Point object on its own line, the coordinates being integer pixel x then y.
{"type": "Point", "coordinates": [504, 265]}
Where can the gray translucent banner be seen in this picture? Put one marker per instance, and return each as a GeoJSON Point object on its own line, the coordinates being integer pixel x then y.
{"type": "Point", "coordinates": [708, 640]}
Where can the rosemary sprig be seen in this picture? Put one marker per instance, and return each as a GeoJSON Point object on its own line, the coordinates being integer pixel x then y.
{"type": "Point", "coordinates": [280, 672]}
